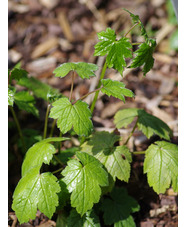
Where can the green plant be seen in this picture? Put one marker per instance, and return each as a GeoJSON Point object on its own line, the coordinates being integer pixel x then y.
{"type": "Point", "coordinates": [87, 186]}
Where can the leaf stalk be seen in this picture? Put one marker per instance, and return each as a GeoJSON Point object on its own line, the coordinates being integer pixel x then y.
{"type": "Point", "coordinates": [130, 135]}
{"type": "Point", "coordinates": [46, 121]}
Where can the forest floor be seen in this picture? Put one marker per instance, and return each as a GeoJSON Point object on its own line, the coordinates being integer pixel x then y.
{"type": "Point", "coordinates": [42, 36]}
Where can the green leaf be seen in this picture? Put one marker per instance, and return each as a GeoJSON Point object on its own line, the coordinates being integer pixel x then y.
{"type": "Point", "coordinates": [34, 191]}
{"type": "Point", "coordinates": [161, 166]}
{"type": "Point", "coordinates": [62, 219]}
{"type": "Point", "coordinates": [150, 125]}
{"type": "Point", "coordinates": [84, 178]}
{"type": "Point", "coordinates": [119, 206]}
{"type": "Point", "coordinates": [65, 155]}
{"type": "Point", "coordinates": [116, 50]}
{"type": "Point", "coordinates": [128, 222]}
{"type": "Point", "coordinates": [89, 219]}
{"type": "Point", "coordinates": [41, 152]}
{"type": "Point", "coordinates": [116, 89]}
{"type": "Point", "coordinates": [83, 69]}
{"type": "Point", "coordinates": [63, 195]}
{"type": "Point", "coordinates": [144, 56]}
{"type": "Point", "coordinates": [68, 116]}
{"type": "Point", "coordinates": [146, 122]}
{"type": "Point", "coordinates": [17, 73]}
{"type": "Point", "coordinates": [115, 159]}
{"type": "Point", "coordinates": [136, 19]}
{"type": "Point", "coordinates": [26, 102]}
{"type": "Point", "coordinates": [11, 93]}
{"type": "Point", "coordinates": [40, 90]}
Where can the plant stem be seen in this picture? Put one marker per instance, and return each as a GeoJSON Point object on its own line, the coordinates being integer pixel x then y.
{"type": "Point", "coordinates": [46, 121]}
{"type": "Point", "coordinates": [18, 127]}
{"type": "Point", "coordinates": [84, 96]}
{"type": "Point", "coordinates": [58, 160]}
{"type": "Point", "coordinates": [59, 147]}
{"type": "Point", "coordinates": [131, 133]}
{"type": "Point", "coordinates": [138, 152]}
{"type": "Point", "coordinates": [99, 85]}
{"type": "Point", "coordinates": [72, 85]}
{"type": "Point", "coordinates": [136, 44]}
{"type": "Point", "coordinates": [58, 170]}
{"type": "Point", "coordinates": [131, 29]}
{"type": "Point", "coordinates": [52, 128]}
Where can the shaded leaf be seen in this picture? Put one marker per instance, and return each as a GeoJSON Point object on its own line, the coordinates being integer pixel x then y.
{"type": "Point", "coordinates": [84, 178]}
{"type": "Point", "coordinates": [41, 152]}
{"type": "Point", "coordinates": [17, 73]}
{"type": "Point", "coordinates": [161, 166]}
{"type": "Point", "coordinates": [146, 122]}
{"type": "Point", "coordinates": [26, 102]}
{"type": "Point", "coordinates": [89, 219]}
{"type": "Point", "coordinates": [35, 191]}
{"type": "Point", "coordinates": [116, 89]}
{"type": "Point", "coordinates": [144, 56]}
{"type": "Point", "coordinates": [119, 206]}
{"type": "Point", "coordinates": [68, 116]}
{"type": "Point", "coordinates": [115, 159]}
{"type": "Point", "coordinates": [40, 90]}
{"type": "Point", "coordinates": [83, 69]}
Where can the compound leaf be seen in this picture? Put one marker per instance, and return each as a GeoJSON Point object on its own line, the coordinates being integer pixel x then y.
{"type": "Point", "coordinates": [41, 152]}
{"type": "Point", "coordinates": [116, 89]}
{"type": "Point", "coordinates": [146, 122]}
{"type": "Point", "coordinates": [34, 191]}
{"type": "Point", "coordinates": [144, 56]}
{"type": "Point", "coordinates": [69, 115]}
{"type": "Point", "coordinates": [116, 50]}
{"type": "Point", "coordinates": [119, 206]}
{"type": "Point", "coordinates": [115, 159]}
{"type": "Point", "coordinates": [89, 219]}
{"type": "Point", "coordinates": [84, 178]}
{"type": "Point", "coordinates": [161, 166]}
{"type": "Point", "coordinates": [83, 69]}
{"type": "Point", "coordinates": [26, 102]}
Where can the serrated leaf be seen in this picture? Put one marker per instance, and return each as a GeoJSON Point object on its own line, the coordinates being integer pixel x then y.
{"type": "Point", "coordinates": [116, 89]}
{"type": "Point", "coordinates": [115, 159]}
{"type": "Point", "coordinates": [41, 152]}
{"type": "Point", "coordinates": [128, 222]}
{"type": "Point", "coordinates": [68, 116]}
{"type": "Point", "coordinates": [161, 166]}
{"type": "Point", "coordinates": [144, 56]}
{"type": "Point", "coordinates": [83, 69]}
{"type": "Point", "coordinates": [119, 206]}
{"type": "Point", "coordinates": [40, 90]}
{"type": "Point", "coordinates": [26, 102]}
{"type": "Point", "coordinates": [11, 93]}
{"type": "Point", "coordinates": [116, 50]}
{"type": "Point", "coordinates": [136, 19]}
{"type": "Point", "coordinates": [84, 178]}
{"type": "Point", "coordinates": [146, 122]}
{"type": "Point", "coordinates": [89, 219]}
{"type": "Point", "coordinates": [34, 191]}
{"type": "Point", "coordinates": [17, 73]}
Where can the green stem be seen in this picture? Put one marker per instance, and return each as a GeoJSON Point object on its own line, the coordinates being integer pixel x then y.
{"type": "Point", "coordinates": [131, 29]}
{"type": "Point", "coordinates": [136, 44]}
{"type": "Point", "coordinates": [46, 121]}
{"type": "Point", "coordinates": [58, 160]}
{"type": "Point", "coordinates": [52, 128]}
{"type": "Point", "coordinates": [99, 85]}
{"type": "Point", "coordinates": [131, 133]}
{"type": "Point", "coordinates": [60, 135]}
{"type": "Point", "coordinates": [18, 127]}
{"type": "Point", "coordinates": [138, 152]}
{"type": "Point", "coordinates": [84, 96]}
{"type": "Point", "coordinates": [72, 85]}
{"type": "Point", "coordinates": [58, 170]}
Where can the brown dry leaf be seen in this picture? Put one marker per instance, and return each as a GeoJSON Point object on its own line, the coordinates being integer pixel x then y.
{"type": "Point", "coordinates": [65, 26]}
{"type": "Point", "coordinates": [49, 223]}
{"type": "Point", "coordinates": [49, 4]}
